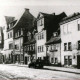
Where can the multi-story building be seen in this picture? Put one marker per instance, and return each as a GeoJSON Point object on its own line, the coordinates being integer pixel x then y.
{"type": "Point", "coordinates": [54, 49]}
{"type": "Point", "coordinates": [30, 47]}
{"type": "Point", "coordinates": [21, 29]}
{"type": "Point", "coordinates": [70, 45]}
{"type": "Point", "coordinates": [8, 38]}
{"type": "Point", "coordinates": [1, 44]}
{"type": "Point", "coordinates": [46, 25]}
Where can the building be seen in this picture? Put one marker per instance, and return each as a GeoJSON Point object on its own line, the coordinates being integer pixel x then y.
{"type": "Point", "coordinates": [21, 29]}
{"type": "Point", "coordinates": [54, 49]}
{"type": "Point", "coordinates": [1, 44]}
{"type": "Point", "coordinates": [46, 25]}
{"type": "Point", "coordinates": [30, 47]}
{"type": "Point", "coordinates": [70, 45]}
{"type": "Point", "coordinates": [8, 39]}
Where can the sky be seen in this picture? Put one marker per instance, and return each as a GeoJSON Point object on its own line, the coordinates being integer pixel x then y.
{"type": "Point", "coordinates": [16, 7]}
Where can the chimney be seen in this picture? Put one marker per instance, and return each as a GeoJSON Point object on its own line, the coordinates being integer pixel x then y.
{"type": "Point", "coordinates": [26, 9]}
{"type": "Point", "coordinates": [53, 14]}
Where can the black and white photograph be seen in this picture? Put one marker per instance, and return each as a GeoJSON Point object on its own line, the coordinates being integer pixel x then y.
{"type": "Point", "coordinates": [39, 39]}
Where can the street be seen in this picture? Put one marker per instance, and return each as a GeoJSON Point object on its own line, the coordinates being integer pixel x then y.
{"type": "Point", "coordinates": [25, 73]}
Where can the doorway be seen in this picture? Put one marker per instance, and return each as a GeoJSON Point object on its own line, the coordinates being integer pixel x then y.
{"type": "Point", "coordinates": [25, 60]}
{"type": "Point", "coordinates": [78, 61]}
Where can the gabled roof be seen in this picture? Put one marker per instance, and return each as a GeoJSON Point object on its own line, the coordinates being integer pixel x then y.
{"type": "Point", "coordinates": [9, 19]}
{"type": "Point", "coordinates": [70, 18]}
{"type": "Point", "coordinates": [54, 40]}
{"type": "Point", "coordinates": [25, 20]}
{"type": "Point", "coordinates": [45, 14]}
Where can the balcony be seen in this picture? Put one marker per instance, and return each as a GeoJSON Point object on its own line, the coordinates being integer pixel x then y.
{"type": "Point", "coordinates": [53, 50]}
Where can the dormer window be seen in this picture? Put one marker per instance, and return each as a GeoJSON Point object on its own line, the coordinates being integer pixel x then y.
{"type": "Point", "coordinates": [55, 34]}
{"type": "Point", "coordinates": [40, 22]}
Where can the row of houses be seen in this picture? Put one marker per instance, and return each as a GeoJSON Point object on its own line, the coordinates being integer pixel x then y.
{"type": "Point", "coordinates": [49, 37]}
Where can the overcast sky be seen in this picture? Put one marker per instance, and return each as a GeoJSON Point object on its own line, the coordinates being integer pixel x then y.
{"type": "Point", "coordinates": [16, 7]}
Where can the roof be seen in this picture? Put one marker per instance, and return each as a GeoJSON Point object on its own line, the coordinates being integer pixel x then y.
{"type": "Point", "coordinates": [25, 20]}
{"type": "Point", "coordinates": [45, 15]}
{"type": "Point", "coordinates": [70, 18]}
{"type": "Point", "coordinates": [32, 41]}
{"type": "Point", "coordinates": [9, 19]}
{"type": "Point", "coordinates": [54, 40]}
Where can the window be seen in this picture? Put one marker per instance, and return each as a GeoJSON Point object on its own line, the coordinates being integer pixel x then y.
{"type": "Point", "coordinates": [16, 47]}
{"type": "Point", "coordinates": [56, 60]}
{"type": "Point", "coordinates": [65, 60]}
{"type": "Point", "coordinates": [65, 29]}
{"type": "Point", "coordinates": [40, 22]}
{"type": "Point", "coordinates": [69, 60]}
{"type": "Point", "coordinates": [65, 46]}
{"type": "Point", "coordinates": [42, 36]}
{"type": "Point", "coordinates": [47, 48]}
{"type": "Point", "coordinates": [42, 48]}
{"type": "Point", "coordinates": [69, 46]}
{"type": "Point", "coordinates": [78, 27]}
{"type": "Point", "coordinates": [55, 47]}
{"type": "Point", "coordinates": [52, 60]}
{"type": "Point", "coordinates": [38, 37]}
{"type": "Point", "coordinates": [10, 46]}
{"type": "Point", "coordinates": [38, 49]}
{"type": "Point", "coordinates": [78, 45]}
{"type": "Point", "coordinates": [8, 35]}
{"type": "Point", "coordinates": [51, 47]}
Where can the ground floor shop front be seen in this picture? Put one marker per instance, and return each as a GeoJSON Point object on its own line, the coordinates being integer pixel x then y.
{"type": "Point", "coordinates": [72, 61]}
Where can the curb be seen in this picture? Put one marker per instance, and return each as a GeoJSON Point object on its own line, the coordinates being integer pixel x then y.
{"type": "Point", "coordinates": [62, 70]}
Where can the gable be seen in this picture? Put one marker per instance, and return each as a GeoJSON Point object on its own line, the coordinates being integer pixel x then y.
{"type": "Point", "coordinates": [39, 15]}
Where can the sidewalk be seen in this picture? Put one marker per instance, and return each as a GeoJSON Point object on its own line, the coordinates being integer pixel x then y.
{"type": "Point", "coordinates": [62, 69]}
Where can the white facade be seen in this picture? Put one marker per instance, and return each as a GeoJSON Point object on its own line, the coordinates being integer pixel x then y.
{"type": "Point", "coordinates": [70, 37]}
{"type": "Point", "coordinates": [8, 39]}
{"type": "Point", "coordinates": [41, 38]}
{"type": "Point", "coordinates": [54, 53]}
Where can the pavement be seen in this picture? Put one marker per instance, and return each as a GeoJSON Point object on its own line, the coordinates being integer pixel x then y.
{"type": "Point", "coordinates": [62, 69]}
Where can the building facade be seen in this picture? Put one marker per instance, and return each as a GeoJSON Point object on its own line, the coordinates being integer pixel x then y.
{"type": "Point", "coordinates": [46, 25]}
{"type": "Point", "coordinates": [70, 46]}
{"type": "Point", "coordinates": [8, 39]}
{"type": "Point", "coordinates": [21, 29]}
{"type": "Point", "coordinates": [30, 47]}
{"type": "Point", "coordinates": [54, 49]}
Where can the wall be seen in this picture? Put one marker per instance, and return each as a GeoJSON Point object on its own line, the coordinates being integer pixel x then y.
{"type": "Point", "coordinates": [71, 35]}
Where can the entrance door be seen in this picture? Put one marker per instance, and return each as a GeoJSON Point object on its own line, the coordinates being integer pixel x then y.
{"type": "Point", "coordinates": [78, 61]}
{"type": "Point", "coordinates": [25, 60]}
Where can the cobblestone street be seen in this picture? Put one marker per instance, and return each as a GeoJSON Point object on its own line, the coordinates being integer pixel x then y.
{"type": "Point", "coordinates": [17, 72]}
